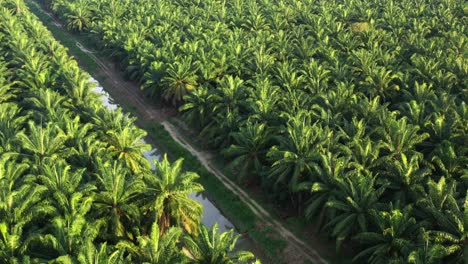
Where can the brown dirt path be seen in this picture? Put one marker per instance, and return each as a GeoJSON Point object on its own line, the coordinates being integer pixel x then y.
{"type": "Point", "coordinates": [296, 250]}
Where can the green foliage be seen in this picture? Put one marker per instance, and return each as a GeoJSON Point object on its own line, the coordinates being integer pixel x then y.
{"type": "Point", "coordinates": [210, 247]}
{"type": "Point", "coordinates": [352, 94]}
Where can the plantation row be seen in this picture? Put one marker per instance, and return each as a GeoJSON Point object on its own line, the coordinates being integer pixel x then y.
{"type": "Point", "coordinates": [352, 111]}
{"type": "Point", "coordinates": [74, 185]}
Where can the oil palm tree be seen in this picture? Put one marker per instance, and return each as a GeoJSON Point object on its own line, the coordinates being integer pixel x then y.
{"type": "Point", "coordinates": [180, 80]}
{"type": "Point", "coordinates": [12, 122]}
{"type": "Point", "coordinates": [65, 187]}
{"type": "Point", "coordinates": [211, 247]}
{"type": "Point", "coordinates": [406, 176]}
{"type": "Point", "coordinates": [394, 239]}
{"type": "Point", "coordinates": [265, 102]}
{"type": "Point", "coordinates": [77, 15]}
{"type": "Point", "coordinates": [440, 197]}
{"type": "Point", "coordinates": [115, 199]}
{"type": "Point", "coordinates": [127, 145]}
{"type": "Point", "coordinates": [327, 172]}
{"type": "Point", "coordinates": [67, 237]}
{"type": "Point", "coordinates": [197, 107]}
{"type": "Point", "coordinates": [91, 255]}
{"type": "Point", "coordinates": [399, 136]}
{"type": "Point", "coordinates": [452, 234]}
{"type": "Point", "coordinates": [298, 149]}
{"type": "Point", "coordinates": [156, 248]}
{"type": "Point", "coordinates": [7, 89]}
{"type": "Point", "coordinates": [43, 142]}
{"type": "Point", "coordinates": [20, 204]}
{"type": "Point", "coordinates": [354, 200]}
{"type": "Point", "coordinates": [230, 96]}
{"type": "Point", "coordinates": [249, 150]}
{"type": "Point", "coordinates": [167, 195]}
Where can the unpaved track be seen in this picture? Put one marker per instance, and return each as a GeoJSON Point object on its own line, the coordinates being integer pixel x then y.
{"type": "Point", "coordinates": [148, 111]}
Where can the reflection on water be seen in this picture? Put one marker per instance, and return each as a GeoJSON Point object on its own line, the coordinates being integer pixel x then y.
{"type": "Point", "coordinates": [105, 97]}
{"type": "Point", "coordinates": [211, 214]}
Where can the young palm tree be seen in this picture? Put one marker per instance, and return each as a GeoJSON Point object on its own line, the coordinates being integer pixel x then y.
{"type": "Point", "coordinates": [211, 247]}
{"type": "Point", "coordinates": [167, 195]}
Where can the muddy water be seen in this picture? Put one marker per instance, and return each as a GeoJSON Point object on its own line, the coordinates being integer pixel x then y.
{"type": "Point", "coordinates": [211, 214]}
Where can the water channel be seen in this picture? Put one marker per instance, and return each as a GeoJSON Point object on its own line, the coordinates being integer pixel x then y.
{"type": "Point", "coordinates": [211, 214]}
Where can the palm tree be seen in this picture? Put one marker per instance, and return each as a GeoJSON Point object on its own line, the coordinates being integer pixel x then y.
{"type": "Point", "coordinates": [230, 96]}
{"type": "Point", "coordinates": [156, 248]}
{"type": "Point", "coordinates": [167, 195]}
{"type": "Point", "coordinates": [91, 255]}
{"type": "Point", "coordinates": [78, 15]}
{"type": "Point", "coordinates": [7, 90]}
{"type": "Point", "coordinates": [426, 252]}
{"type": "Point", "coordinates": [180, 80]}
{"type": "Point", "coordinates": [298, 149]}
{"type": "Point", "coordinates": [265, 99]}
{"type": "Point", "coordinates": [67, 237]}
{"type": "Point", "coordinates": [248, 150]}
{"type": "Point", "coordinates": [47, 105]}
{"type": "Point", "coordinates": [20, 204]}
{"type": "Point", "coordinates": [43, 142]}
{"type": "Point", "coordinates": [211, 247]}
{"type": "Point", "coordinates": [327, 173]}
{"type": "Point", "coordinates": [449, 159]}
{"type": "Point", "coordinates": [453, 235]}
{"type": "Point", "coordinates": [127, 145]}
{"type": "Point", "coordinates": [440, 197]}
{"type": "Point", "coordinates": [355, 198]}
{"type": "Point", "coordinates": [65, 187]}
{"type": "Point", "coordinates": [197, 107]}
{"type": "Point", "coordinates": [381, 81]}
{"type": "Point", "coordinates": [11, 124]}
{"type": "Point", "coordinates": [394, 239]}
{"type": "Point", "coordinates": [399, 136]}
{"type": "Point", "coordinates": [115, 200]}
{"type": "Point", "coordinates": [12, 243]}
{"type": "Point", "coordinates": [406, 176]}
